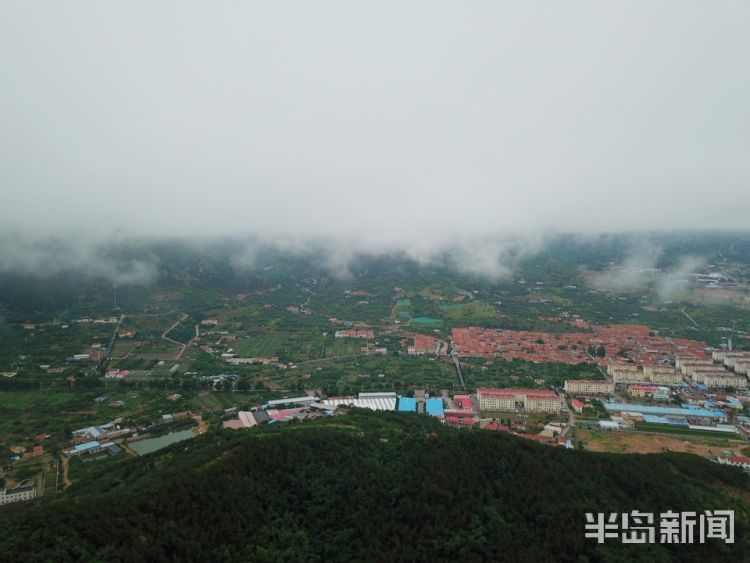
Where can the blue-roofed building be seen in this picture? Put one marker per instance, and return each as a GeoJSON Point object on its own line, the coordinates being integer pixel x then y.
{"type": "Point", "coordinates": [85, 448]}
{"type": "Point", "coordinates": [434, 407]}
{"type": "Point", "coordinates": [684, 411]}
{"type": "Point", "coordinates": [407, 404]}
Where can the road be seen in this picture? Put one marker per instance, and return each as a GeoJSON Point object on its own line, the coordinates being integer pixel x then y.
{"type": "Point", "coordinates": [182, 346]}
{"type": "Point", "coordinates": [111, 345]}
{"type": "Point", "coordinates": [454, 357]}
{"type": "Point", "coordinates": [571, 423]}
{"type": "Point", "coordinates": [691, 319]}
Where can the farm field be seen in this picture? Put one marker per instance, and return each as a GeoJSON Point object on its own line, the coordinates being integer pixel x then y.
{"type": "Point", "coordinates": [369, 373]}
{"type": "Point", "coordinates": [343, 347]}
{"type": "Point", "coordinates": [296, 346]}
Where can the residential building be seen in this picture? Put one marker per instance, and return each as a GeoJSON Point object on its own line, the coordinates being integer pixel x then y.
{"type": "Point", "coordinates": [589, 387]}
{"type": "Point", "coordinates": [511, 400]}
{"type": "Point", "coordinates": [18, 494]}
{"type": "Point", "coordinates": [722, 381]}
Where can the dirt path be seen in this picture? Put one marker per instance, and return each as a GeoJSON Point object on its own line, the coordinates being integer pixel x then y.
{"type": "Point", "coordinates": [182, 346]}
{"type": "Point", "coordinates": [644, 443]}
{"type": "Point", "coordinates": [66, 478]}
{"type": "Point", "coordinates": [202, 424]}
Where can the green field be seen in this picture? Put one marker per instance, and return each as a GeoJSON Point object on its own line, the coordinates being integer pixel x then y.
{"type": "Point", "coordinates": [262, 345]}
{"type": "Point", "coordinates": [426, 321]}
{"type": "Point", "coordinates": [472, 313]}
{"type": "Point", "coordinates": [287, 346]}
{"type": "Point", "coordinates": [666, 429]}
{"type": "Point", "coordinates": [344, 347]}
{"type": "Point", "coordinates": [296, 346]}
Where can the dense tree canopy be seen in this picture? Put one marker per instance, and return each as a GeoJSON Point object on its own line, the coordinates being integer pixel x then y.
{"type": "Point", "coordinates": [370, 487]}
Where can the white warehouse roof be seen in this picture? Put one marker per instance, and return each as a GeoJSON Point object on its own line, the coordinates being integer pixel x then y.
{"type": "Point", "coordinates": [376, 403]}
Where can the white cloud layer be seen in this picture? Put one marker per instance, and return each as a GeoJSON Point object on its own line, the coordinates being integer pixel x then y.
{"type": "Point", "coordinates": [420, 125]}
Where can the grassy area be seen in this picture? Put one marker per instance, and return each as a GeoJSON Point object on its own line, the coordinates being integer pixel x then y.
{"type": "Point", "coordinates": [472, 313]}
{"type": "Point", "coordinates": [343, 347]}
{"type": "Point", "coordinates": [610, 441]}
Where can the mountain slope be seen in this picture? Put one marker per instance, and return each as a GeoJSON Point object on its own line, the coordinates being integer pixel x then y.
{"type": "Point", "coordinates": [370, 487]}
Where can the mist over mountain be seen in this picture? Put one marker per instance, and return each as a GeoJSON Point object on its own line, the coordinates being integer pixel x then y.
{"type": "Point", "coordinates": [386, 124]}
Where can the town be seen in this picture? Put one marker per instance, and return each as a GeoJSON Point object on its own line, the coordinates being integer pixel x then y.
{"type": "Point", "coordinates": [544, 356]}
{"type": "Point", "coordinates": [642, 392]}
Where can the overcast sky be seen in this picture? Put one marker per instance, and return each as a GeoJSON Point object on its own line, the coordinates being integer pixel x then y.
{"type": "Point", "coordinates": [374, 120]}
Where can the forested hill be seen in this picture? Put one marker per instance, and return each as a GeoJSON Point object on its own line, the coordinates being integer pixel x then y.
{"type": "Point", "coordinates": [375, 487]}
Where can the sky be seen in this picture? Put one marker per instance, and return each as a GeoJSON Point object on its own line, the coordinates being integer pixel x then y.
{"type": "Point", "coordinates": [384, 122]}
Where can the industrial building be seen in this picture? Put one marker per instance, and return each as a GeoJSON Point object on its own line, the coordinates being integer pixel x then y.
{"type": "Point", "coordinates": [372, 401]}
{"type": "Point", "coordinates": [434, 407]}
{"type": "Point", "coordinates": [407, 404]}
{"type": "Point", "coordinates": [687, 412]}
{"type": "Point", "coordinates": [292, 401]}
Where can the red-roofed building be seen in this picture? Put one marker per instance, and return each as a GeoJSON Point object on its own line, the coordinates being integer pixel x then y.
{"type": "Point", "coordinates": [511, 400]}
{"type": "Point", "coordinates": [464, 402]}
{"type": "Point", "coordinates": [578, 405]}
{"type": "Point", "coordinates": [737, 461]}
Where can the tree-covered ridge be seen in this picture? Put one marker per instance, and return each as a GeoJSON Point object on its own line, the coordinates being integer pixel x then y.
{"type": "Point", "coordinates": [370, 487]}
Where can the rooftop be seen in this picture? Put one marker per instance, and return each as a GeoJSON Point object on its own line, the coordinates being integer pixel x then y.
{"type": "Point", "coordinates": [665, 411]}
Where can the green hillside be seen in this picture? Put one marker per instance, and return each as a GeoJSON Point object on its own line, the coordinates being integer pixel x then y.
{"type": "Point", "coordinates": [376, 487]}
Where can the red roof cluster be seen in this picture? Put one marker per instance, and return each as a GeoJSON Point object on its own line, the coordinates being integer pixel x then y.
{"type": "Point", "coordinates": [464, 402]}
{"type": "Point", "coordinates": [497, 427]}
{"type": "Point", "coordinates": [424, 344]}
{"type": "Point", "coordinates": [644, 345]}
{"type": "Point", "coordinates": [459, 420]}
